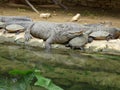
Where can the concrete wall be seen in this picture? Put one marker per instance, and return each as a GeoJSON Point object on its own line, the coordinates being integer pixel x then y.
{"type": "Point", "coordinates": [89, 3]}
{"type": "Point", "coordinates": [100, 3]}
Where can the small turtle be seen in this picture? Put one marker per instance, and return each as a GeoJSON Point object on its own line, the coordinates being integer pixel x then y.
{"type": "Point", "coordinates": [100, 35]}
{"type": "Point", "coordinates": [14, 28]}
{"type": "Point", "coordinates": [2, 25]}
{"type": "Point", "coordinates": [80, 41]}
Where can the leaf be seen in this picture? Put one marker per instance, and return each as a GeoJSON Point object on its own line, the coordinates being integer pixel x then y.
{"type": "Point", "coordinates": [54, 87]}
{"type": "Point", "coordinates": [46, 83]}
{"type": "Point", "coordinates": [42, 81]}
{"type": "Point", "coordinates": [20, 72]}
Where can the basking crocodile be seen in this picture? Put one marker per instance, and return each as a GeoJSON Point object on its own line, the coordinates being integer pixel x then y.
{"type": "Point", "coordinates": [14, 18]}
{"type": "Point", "coordinates": [50, 32]}
{"type": "Point", "coordinates": [20, 20]}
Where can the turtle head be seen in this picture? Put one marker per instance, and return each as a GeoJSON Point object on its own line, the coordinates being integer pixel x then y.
{"type": "Point", "coordinates": [2, 25]}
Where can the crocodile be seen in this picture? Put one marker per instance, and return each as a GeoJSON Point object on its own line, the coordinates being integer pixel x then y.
{"type": "Point", "coordinates": [50, 32]}
{"type": "Point", "coordinates": [20, 20]}
{"type": "Point", "coordinates": [14, 18]}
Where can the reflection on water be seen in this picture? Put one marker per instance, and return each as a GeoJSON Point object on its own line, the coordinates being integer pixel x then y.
{"type": "Point", "coordinates": [72, 70]}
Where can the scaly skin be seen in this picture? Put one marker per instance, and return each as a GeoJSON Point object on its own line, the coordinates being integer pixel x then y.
{"type": "Point", "coordinates": [21, 20]}
{"type": "Point", "coordinates": [14, 18]}
{"type": "Point", "coordinates": [59, 33]}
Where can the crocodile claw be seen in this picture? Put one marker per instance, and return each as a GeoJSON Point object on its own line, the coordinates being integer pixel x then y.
{"type": "Point", "coordinates": [28, 36]}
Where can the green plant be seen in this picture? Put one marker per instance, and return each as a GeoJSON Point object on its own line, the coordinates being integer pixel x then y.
{"type": "Point", "coordinates": [29, 75]}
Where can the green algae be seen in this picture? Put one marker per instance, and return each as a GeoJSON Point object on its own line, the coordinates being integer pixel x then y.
{"type": "Point", "coordinates": [73, 70]}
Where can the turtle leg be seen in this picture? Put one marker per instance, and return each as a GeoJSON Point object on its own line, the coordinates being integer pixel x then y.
{"type": "Point", "coordinates": [67, 45]}
{"type": "Point", "coordinates": [90, 39]}
{"type": "Point", "coordinates": [82, 48]}
{"type": "Point", "coordinates": [73, 48]}
{"type": "Point", "coordinates": [18, 32]}
{"type": "Point", "coordinates": [4, 31]}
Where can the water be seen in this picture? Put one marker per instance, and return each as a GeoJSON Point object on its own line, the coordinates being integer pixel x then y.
{"type": "Point", "coordinates": [69, 69]}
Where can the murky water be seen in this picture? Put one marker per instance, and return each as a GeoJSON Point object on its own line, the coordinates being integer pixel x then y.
{"type": "Point", "coordinates": [69, 69]}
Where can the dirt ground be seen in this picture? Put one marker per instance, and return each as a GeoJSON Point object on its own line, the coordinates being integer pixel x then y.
{"type": "Point", "coordinates": [88, 15]}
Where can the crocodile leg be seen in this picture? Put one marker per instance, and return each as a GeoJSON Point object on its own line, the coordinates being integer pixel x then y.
{"type": "Point", "coordinates": [27, 35]}
{"type": "Point", "coordinates": [48, 43]}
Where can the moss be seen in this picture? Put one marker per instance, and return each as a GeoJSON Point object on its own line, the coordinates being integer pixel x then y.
{"type": "Point", "coordinates": [97, 71]}
{"type": "Point", "coordinates": [102, 79]}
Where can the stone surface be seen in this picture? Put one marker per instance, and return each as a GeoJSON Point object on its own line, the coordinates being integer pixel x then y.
{"type": "Point", "coordinates": [96, 45]}
{"type": "Point", "coordinates": [114, 4]}
{"type": "Point", "coordinates": [103, 44]}
{"type": "Point", "coordinates": [73, 69]}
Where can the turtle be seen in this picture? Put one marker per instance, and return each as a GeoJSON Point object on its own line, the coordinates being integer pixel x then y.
{"type": "Point", "coordinates": [14, 28]}
{"type": "Point", "coordinates": [2, 25]}
{"type": "Point", "coordinates": [79, 41]}
{"type": "Point", "coordinates": [100, 35]}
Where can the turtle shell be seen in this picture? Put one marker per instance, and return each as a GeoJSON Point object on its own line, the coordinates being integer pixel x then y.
{"type": "Point", "coordinates": [78, 42]}
{"type": "Point", "coordinates": [14, 28]}
{"type": "Point", "coordinates": [99, 35]}
{"type": "Point", "coordinates": [2, 24]}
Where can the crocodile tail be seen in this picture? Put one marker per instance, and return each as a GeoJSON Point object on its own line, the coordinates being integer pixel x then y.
{"type": "Point", "coordinates": [27, 35]}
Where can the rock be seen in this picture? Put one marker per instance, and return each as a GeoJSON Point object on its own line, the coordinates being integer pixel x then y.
{"type": "Point", "coordinates": [96, 45]}
{"type": "Point", "coordinates": [75, 18]}
{"type": "Point", "coordinates": [45, 15]}
{"type": "Point", "coordinates": [103, 44]}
